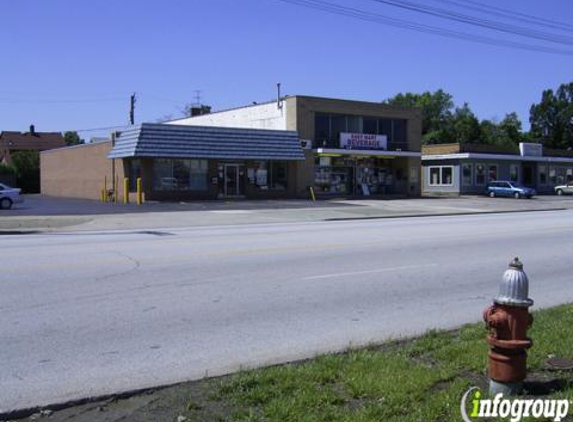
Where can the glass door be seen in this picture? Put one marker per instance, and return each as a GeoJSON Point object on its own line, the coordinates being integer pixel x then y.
{"type": "Point", "coordinates": [232, 185]}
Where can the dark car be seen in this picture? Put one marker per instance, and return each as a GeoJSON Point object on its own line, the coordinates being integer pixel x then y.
{"type": "Point", "coordinates": [505, 188]}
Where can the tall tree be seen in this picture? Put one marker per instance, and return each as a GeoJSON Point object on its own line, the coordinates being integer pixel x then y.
{"type": "Point", "coordinates": [72, 138]}
{"type": "Point", "coordinates": [552, 118]}
{"type": "Point", "coordinates": [436, 111]}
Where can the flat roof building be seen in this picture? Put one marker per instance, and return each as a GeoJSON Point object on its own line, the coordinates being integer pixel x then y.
{"type": "Point", "coordinates": [457, 169]}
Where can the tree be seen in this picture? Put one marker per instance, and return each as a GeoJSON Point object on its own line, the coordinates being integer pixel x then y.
{"type": "Point", "coordinates": [72, 138]}
{"type": "Point", "coordinates": [27, 165]}
{"type": "Point", "coordinates": [552, 119]}
{"type": "Point", "coordinates": [436, 111]}
{"type": "Point", "coordinates": [464, 126]}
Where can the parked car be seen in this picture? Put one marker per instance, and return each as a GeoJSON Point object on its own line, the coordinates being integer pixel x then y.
{"type": "Point", "coordinates": [9, 196]}
{"type": "Point", "coordinates": [505, 188]}
{"type": "Point", "coordinates": [564, 189]}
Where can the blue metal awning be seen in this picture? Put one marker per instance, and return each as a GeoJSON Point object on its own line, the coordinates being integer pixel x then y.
{"type": "Point", "coordinates": [183, 141]}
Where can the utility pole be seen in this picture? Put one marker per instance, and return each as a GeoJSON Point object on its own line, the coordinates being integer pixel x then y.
{"type": "Point", "coordinates": [132, 109]}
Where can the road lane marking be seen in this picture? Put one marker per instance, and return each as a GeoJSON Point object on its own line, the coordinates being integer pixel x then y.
{"type": "Point", "coordinates": [378, 270]}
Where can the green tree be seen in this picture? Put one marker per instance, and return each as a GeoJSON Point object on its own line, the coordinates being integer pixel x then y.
{"type": "Point", "coordinates": [72, 138]}
{"type": "Point", "coordinates": [552, 118]}
{"type": "Point", "coordinates": [27, 165]}
{"type": "Point", "coordinates": [436, 111]}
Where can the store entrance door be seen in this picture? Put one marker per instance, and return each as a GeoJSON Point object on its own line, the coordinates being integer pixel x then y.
{"type": "Point", "coordinates": [232, 183]}
{"type": "Point", "coordinates": [528, 174]}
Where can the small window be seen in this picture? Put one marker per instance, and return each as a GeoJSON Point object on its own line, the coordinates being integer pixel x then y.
{"type": "Point", "coordinates": [441, 176]}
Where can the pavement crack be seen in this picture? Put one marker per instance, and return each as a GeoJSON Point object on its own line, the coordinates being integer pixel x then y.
{"type": "Point", "coordinates": [135, 267]}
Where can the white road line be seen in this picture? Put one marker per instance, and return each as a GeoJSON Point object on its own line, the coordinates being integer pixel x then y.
{"type": "Point", "coordinates": [379, 270]}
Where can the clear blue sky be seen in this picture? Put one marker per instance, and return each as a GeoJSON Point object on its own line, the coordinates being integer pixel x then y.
{"type": "Point", "coordinates": [71, 64]}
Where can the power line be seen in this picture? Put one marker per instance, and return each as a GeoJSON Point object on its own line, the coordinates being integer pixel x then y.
{"type": "Point", "coordinates": [474, 21]}
{"type": "Point", "coordinates": [512, 14]}
{"type": "Point", "coordinates": [405, 24]}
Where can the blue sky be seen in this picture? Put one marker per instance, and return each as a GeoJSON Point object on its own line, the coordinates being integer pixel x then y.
{"type": "Point", "coordinates": [72, 64]}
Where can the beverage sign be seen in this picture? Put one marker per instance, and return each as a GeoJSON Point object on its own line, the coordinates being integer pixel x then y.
{"type": "Point", "coordinates": [363, 141]}
{"type": "Point", "coordinates": [530, 149]}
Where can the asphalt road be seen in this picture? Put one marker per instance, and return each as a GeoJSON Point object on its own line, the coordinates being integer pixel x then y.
{"type": "Point", "coordinates": [86, 314]}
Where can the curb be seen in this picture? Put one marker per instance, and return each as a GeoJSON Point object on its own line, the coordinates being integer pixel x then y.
{"type": "Point", "coordinates": [450, 214]}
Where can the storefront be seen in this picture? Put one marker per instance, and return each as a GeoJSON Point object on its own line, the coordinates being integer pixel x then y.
{"type": "Point", "coordinates": [352, 148]}
{"type": "Point", "coordinates": [362, 173]}
{"type": "Point", "coordinates": [453, 169]}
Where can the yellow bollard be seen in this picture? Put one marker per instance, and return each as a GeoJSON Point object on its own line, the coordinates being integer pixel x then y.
{"type": "Point", "coordinates": [312, 194]}
{"type": "Point", "coordinates": [115, 192]}
{"type": "Point", "coordinates": [139, 193]}
{"type": "Point", "coordinates": [125, 190]}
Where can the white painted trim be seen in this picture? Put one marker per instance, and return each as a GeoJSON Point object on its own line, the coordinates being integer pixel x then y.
{"type": "Point", "coordinates": [476, 156]}
{"type": "Point", "coordinates": [371, 152]}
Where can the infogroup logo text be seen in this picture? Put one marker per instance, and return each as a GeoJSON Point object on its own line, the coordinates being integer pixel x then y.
{"type": "Point", "coordinates": [514, 408]}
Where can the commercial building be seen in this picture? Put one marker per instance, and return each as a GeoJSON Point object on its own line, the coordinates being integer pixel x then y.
{"type": "Point", "coordinates": [352, 148]}
{"type": "Point", "coordinates": [278, 149]}
{"type": "Point", "coordinates": [178, 162]}
{"type": "Point", "coordinates": [454, 169]}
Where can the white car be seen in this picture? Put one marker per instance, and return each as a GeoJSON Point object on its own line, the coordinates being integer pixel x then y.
{"type": "Point", "coordinates": [9, 196]}
{"type": "Point", "coordinates": [564, 189]}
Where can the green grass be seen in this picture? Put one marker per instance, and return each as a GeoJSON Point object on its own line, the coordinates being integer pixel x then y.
{"type": "Point", "coordinates": [420, 379]}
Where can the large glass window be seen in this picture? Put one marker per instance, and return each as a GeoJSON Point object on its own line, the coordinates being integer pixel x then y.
{"type": "Point", "coordinates": [467, 175]}
{"type": "Point", "coordinates": [385, 128]}
{"type": "Point", "coordinates": [354, 124]}
{"type": "Point", "coordinates": [179, 174]}
{"type": "Point", "coordinates": [337, 125]}
{"type": "Point", "coordinates": [271, 175]}
{"type": "Point", "coordinates": [441, 176]}
{"type": "Point", "coordinates": [370, 125]}
{"type": "Point", "coordinates": [399, 130]}
{"type": "Point", "coordinates": [321, 129]}
{"type": "Point", "coordinates": [199, 170]}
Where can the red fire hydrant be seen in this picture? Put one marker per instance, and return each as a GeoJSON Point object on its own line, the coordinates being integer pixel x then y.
{"type": "Point", "coordinates": [507, 321]}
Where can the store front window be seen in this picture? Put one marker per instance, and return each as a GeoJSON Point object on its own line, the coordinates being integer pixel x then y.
{"type": "Point", "coordinates": [467, 175]}
{"type": "Point", "coordinates": [179, 174]}
{"type": "Point", "coordinates": [480, 174]}
{"type": "Point", "coordinates": [271, 175]}
{"type": "Point", "coordinates": [352, 175]}
{"type": "Point", "coordinates": [542, 171]}
{"type": "Point", "coordinates": [514, 172]}
{"type": "Point", "coordinates": [492, 173]}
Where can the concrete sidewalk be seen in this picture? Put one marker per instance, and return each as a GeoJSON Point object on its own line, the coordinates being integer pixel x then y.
{"type": "Point", "coordinates": [54, 214]}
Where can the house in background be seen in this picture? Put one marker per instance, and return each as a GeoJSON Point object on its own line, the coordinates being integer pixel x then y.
{"type": "Point", "coordinates": [21, 150]}
{"type": "Point", "coordinates": [11, 142]}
